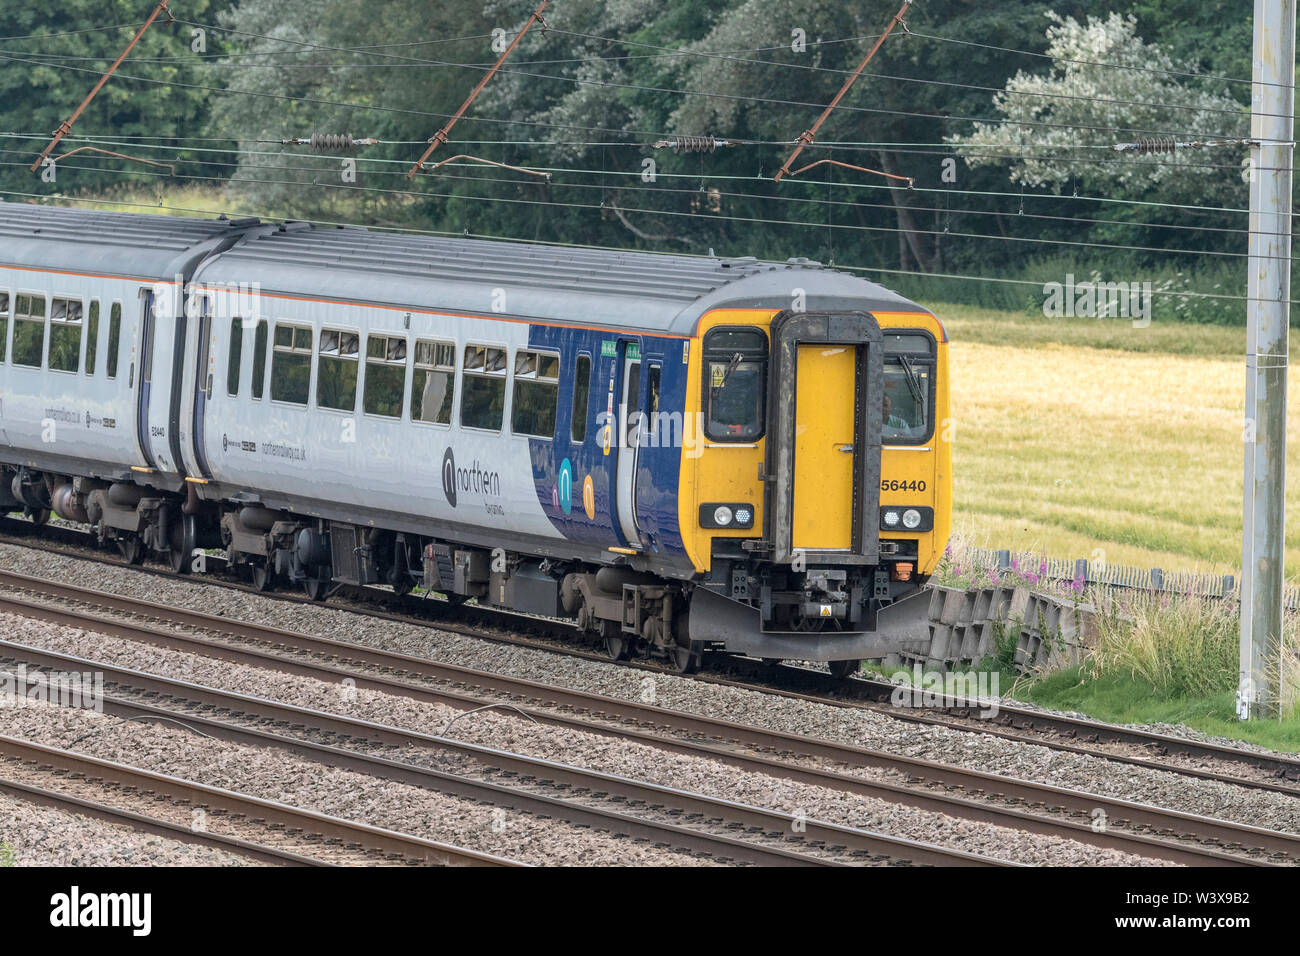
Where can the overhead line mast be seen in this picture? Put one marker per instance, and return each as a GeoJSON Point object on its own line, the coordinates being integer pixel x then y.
{"type": "Point", "coordinates": [1268, 320]}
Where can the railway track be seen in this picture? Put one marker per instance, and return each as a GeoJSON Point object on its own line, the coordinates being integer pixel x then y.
{"type": "Point", "coordinates": [1201, 760]}
{"type": "Point", "coordinates": [1028, 806]}
{"type": "Point", "coordinates": [262, 830]}
{"type": "Point", "coordinates": [694, 823]}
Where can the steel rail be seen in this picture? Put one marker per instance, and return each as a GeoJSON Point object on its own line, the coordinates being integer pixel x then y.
{"type": "Point", "coordinates": [197, 702]}
{"type": "Point", "coordinates": [729, 735]}
{"type": "Point", "coordinates": [816, 687]}
{"type": "Point", "coordinates": [273, 813]}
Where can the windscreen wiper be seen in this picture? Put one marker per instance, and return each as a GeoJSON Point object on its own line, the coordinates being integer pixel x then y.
{"type": "Point", "coordinates": [732, 364]}
{"type": "Point", "coordinates": [913, 380]}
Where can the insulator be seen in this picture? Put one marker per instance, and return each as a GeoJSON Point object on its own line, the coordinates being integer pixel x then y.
{"type": "Point", "coordinates": [692, 144]}
{"type": "Point", "coordinates": [332, 141]}
{"type": "Point", "coordinates": [1157, 145]}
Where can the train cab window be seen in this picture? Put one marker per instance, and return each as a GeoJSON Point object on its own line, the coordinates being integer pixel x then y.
{"type": "Point", "coordinates": [92, 336]}
{"type": "Point", "coordinates": [336, 376]}
{"type": "Point", "coordinates": [537, 391]}
{"type": "Point", "coordinates": [581, 394]}
{"type": "Point", "coordinates": [114, 339]}
{"type": "Point", "coordinates": [259, 359]}
{"type": "Point", "coordinates": [29, 330]}
{"type": "Point", "coordinates": [291, 364]}
{"type": "Point", "coordinates": [735, 376]}
{"type": "Point", "coordinates": [483, 395]}
{"type": "Point", "coordinates": [909, 400]}
{"type": "Point", "coordinates": [236, 355]}
{"type": "Point", "coordinates": [433, 383]}
{"type": "Point", "coordinates": [65, 334]}
{"type": "Point", "coordinates": [4, 325]}
{"type": "Point", "coordinates": [385, 375]}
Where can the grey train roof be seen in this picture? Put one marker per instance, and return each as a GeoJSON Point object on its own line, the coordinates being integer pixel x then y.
{"type": "Point", "coordinates": [108, 243]}
{"type": "Point", "coordinates": [639, 290]}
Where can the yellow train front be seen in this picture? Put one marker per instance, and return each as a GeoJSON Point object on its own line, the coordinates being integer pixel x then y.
{"type": "Point", "coordinates": [819, 499]}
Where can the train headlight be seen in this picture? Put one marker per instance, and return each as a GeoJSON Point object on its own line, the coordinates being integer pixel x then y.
{"type": "Point", "coordinates": [732, 515]}
{"type": "Point", "coordinates": [918, 518]}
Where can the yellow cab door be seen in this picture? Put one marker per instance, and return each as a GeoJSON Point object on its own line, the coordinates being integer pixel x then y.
{"type": "Point", "coordinates": [823, 447]}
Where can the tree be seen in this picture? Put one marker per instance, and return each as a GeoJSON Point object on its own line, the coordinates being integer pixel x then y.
{"type": "Point", "coordinates": [1059, 127]}
{"type": "Point", "coordinates": [53, 56]}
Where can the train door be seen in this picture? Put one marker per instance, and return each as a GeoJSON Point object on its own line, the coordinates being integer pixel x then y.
{"type": "Point", "coordinates": [145, 371]}
{"type": "Point", "coordinates": [202, 382]}
{"type": "Point", "coordinates": [162, 338]}
{"type": "Point", "coordinates": [825, 406]}
{"type": "Point", "coordinates": [628, 429]}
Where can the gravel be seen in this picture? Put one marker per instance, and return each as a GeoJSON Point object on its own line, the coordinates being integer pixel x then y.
{"type": "Point", "coordinates": [508, 731]}
{"type": "Point", "coordinates": [33, 835]}
{"type": "Point", "coordinates": [850, 725]}
{"type": "Point", "coordinates": [276, 775]}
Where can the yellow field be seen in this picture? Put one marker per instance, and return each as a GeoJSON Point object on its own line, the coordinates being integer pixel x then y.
{"type": "Point", "coordinates": [1083, 434]}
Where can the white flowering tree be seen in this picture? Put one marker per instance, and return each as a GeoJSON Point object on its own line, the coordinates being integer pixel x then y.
{"type": "Point", "coordinates": [1106, 86]}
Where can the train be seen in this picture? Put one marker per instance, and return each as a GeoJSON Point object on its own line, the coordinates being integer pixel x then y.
{"type": "Point", "coordinates": [674, 454]}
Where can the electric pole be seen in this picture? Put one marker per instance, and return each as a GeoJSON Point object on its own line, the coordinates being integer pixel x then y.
{"type": "Point", "coordinates": [1268, 316]}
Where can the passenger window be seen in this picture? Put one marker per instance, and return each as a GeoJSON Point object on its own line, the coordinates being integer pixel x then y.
{"type": "Point", "coordinates": [433, 383]}
{"type": "Point", "coordinates": [114, 334]}
{"type": "Point", "coordinates": [537, 387]}
{"type": "Point", "coordinates": [581, 393]}
{"type": "Point", "coordinates": [483, 398]}
{"type": "Point", "coordinates": [652, 393]}
{"type": "Point", "coordinates": [236, 355]}
{"type": "Point", "coordinates": [29, 330]}
{"type": "Point", "coordinates": [4, 325]}
{"type": "Point", "coordinates": [259, 359]}
{"type": "Point", "coordinates": [385, 375]}
{"type": "Point", "coordinates": [291, 364]}
{"type": "Point", "coordinates": [65, 334]}
{"type": "Point", "coordinates": [92, 337]}
{"type": "Point", "coordinates": [336, 376]}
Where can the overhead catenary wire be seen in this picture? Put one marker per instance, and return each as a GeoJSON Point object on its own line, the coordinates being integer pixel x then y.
{"type": "Point", "coordinates": [573, 245]}
{"type": "Point", "coordinates": [850, 227]}
{"type": "Point", "coordinates": [131, 142]}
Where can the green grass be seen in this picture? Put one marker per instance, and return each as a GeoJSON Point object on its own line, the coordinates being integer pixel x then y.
{"type": "Point", "coordinates": [967, 323]}
{"type": "Point", "coordinates": [1124, 699]}
{"type": "Point", "coordinates": [1089, 438]}
{"type": "Point", "coordinates": [6, 854]}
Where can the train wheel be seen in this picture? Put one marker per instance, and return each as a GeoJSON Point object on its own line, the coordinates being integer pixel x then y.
{"type": "Point", "coordinates": [685, 659]}
{"type": "Point", "coordinates": [263, 576]}
{"type": "Point", "coordinates": [843, 669]}
{"type": "Point", "coordinates": [39, 516]}
{"type": "Point", "coordinates": [316, 588]}
{"type": "Point", "coordinates": [614, 642]}
{"type": "Point", "coordinates": [181, 555]}
{"type": "Point", "coordinates": [132, 548]}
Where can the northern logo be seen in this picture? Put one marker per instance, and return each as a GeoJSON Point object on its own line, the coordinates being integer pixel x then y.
{"type": "Point", "coordinates": [449, 477]}
{"type": "Point", "coordinates": [474, 480]}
